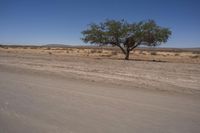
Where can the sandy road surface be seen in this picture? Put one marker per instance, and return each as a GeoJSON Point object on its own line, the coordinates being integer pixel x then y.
{"type": "Point", "coordinates": [32, 101]}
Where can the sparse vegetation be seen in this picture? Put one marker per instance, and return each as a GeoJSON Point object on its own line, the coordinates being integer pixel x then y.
{"type": "Point", "coordinates": [93, 51]}
{"type": "Point", "coordinates": [194, 56]}
{"type": "Point", "coordinates": [196, 52]}
{"type": "Point", "coordinates": [153, 53]}
{"type": "Point", "coordinates": [106, 55]}
{"type": "Point", "coordinates": [99, 51]}
{"type": "Point", "coordinates": [33, 47]}
{"type": "Point", "coordinates": [114, 53]}
{"type": "Point", "coordinates": [162, 54]}
{"type": "Point", "coordinates": [48, 48]}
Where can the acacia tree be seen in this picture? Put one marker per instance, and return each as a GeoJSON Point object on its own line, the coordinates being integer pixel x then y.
{"type": "Point", "coordinates": [126, 36]}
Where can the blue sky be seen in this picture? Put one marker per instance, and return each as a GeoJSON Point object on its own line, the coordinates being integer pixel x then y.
{"type": "Point", "coordinates": [61, 21]}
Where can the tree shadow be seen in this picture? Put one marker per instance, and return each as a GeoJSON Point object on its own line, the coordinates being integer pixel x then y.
{"type": "Point", "coordinates": [151, 60]}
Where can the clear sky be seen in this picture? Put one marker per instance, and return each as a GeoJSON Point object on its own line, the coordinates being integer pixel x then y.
{"type": "Point", "coordinates": [61, 21]}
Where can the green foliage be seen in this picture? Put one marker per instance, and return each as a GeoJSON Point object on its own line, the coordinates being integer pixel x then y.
{"type": "Point", "coordinates": [126, 35]}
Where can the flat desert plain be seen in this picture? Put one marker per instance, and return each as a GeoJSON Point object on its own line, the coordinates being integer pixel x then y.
{"type": "Point", "coordinates": [93, 90]}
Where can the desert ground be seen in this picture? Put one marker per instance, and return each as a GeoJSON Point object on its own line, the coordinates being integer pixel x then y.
{"type": "Point", "coordinates": [93, 90]}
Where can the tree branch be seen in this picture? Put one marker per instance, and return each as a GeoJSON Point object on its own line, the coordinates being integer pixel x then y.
{"type": "Point", "coordinates": [117, 44]}
{"type": "Point", "coordinates": [123, 50]}
{"type": "Point", "coordinates": [135, 45]}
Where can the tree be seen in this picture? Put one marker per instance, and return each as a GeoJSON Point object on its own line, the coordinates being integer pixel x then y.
{"type": "Point", "coordinates": [126, 36]}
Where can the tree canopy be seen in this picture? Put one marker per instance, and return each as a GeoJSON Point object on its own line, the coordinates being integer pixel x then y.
{"type": "Point", "coordinates": [126, 36]}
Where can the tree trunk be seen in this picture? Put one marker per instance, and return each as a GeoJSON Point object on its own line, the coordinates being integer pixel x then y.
{"type": "Point", "coordinates": [127, 55]}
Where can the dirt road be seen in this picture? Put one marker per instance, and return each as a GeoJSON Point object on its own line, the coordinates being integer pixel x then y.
{"type": "Point", "coordinates": [33, 101]}
{"type": "Point", "coordinates": [42, 93]}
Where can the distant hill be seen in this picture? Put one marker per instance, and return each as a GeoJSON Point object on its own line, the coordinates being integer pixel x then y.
{"type": "Point", "coordinates": [57, 45]}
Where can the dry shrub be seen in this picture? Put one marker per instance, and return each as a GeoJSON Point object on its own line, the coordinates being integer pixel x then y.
{"type": "Point", "coordinates": [99, 51]}
{"type": "Point", "coordinates": [48, 48]}
{"type": "Point", "coordinates": [196, 52]}
{"type": "Point", "coordinates": [114, 53]}
{"type": "Point", "coordinates": [153, 53]}
{"type": "Point", "coordinates": [106, 55]}
{"type": "Point", "coordinates": [194, 56]}
{"type": "Point", "coordinates": [176, 54]}
{"type": "Point", "coordinates": [93, 51]}
{"type": "Point", "coordinates": [33, 48]}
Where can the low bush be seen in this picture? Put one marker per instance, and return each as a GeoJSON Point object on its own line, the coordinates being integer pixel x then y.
{"type": "Point", "coordinates": [153, 53]}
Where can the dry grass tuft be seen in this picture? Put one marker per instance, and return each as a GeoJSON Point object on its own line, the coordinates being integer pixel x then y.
{"type": "Point", "coordinates": [194, 56]}
{"type": "Point", "coordinates": [114, 53]}
{"type": "Point", "coordinates": [153, 53]}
